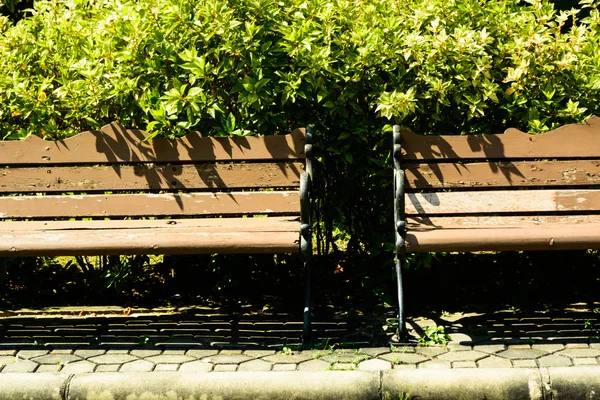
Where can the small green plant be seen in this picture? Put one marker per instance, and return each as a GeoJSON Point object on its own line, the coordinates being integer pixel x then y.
{"type": "Point", "coordinates": [434, 335]}
{"type": "Point", "coordinates": [287, 351]}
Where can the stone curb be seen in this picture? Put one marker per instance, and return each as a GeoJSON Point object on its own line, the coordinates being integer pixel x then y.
{"type": "Point", "coordinates": [524, 383]}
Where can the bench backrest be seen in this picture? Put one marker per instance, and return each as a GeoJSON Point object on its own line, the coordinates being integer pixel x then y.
{"type": "Point", "coordinates": [505, 180]}
{"type": "Point", "coordinates": [115, 173]}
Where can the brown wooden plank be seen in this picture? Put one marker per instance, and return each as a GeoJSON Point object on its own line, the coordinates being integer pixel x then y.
{"type": "Point", "coordinates": [505, 201]}
{"type": "Point", "coordinates": [249, 224]}
{"type": "Point", "coordinates": [419, 223]}
{"type": "Point", "coordinates": [149, 177]}
{"type": "Point", "coordinates": [145, 241]}
{"type": "Point", "coordinates": [115, 144]}
{"type": "Point", "coordinates": [131, 205]}
{"type": "Point", "coordinates": [548, 237]}
{"type": "Point", "coordinates": [502, 174]}
{"type": "Point", "coordinates": [575, 140]}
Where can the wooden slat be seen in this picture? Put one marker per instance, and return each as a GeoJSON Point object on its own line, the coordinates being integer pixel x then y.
{"type": "Point", "coordinates": [173, 239]}
{"type": "Point", "coordinates": [250, 224]}
{"type": "Point", "coordinates": [502, 174]}
{"type": "Point", "coordinates": [506, 201]}
{"type": "Point", "coordinates": [422, 223]}
{"type": "Point", "coordinates": [548, 237]}
{"type": "Point", "coordinates": [131, 205]}
{"type": "Point", "coordinates": [115, 144]}
{"type": "Point", "coordinates": [149, 177]}
{"type": "Point", "coordinates": [575, 140]}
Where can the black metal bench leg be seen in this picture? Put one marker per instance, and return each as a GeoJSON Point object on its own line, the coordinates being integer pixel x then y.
{"type": "Point", "coordinates": [400, 228]}
{"type": "Point", "coordinates": [402, 336]}
{"type": "Point", "coordinates": [306, 334]}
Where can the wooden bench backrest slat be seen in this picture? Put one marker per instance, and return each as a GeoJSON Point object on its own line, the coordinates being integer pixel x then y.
{"type": "Point", "coordinates": [577, 140]}
{"type": "Point", "coordinates": [420, 223]}
{"type": "Point", "coordinates": [144, 177]}
{"type": "Point", "coordinates": [114, 144]}
{"type": "Point", "coordinates": [503, 174]}
{"type": "Point", "coordinates": [137, 205]}
{"type": "Point", "coordinates": [503, 201]}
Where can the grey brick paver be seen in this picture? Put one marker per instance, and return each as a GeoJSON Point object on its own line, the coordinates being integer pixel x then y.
{"type": "Point", "coordinates": [489, 348]}
{"type": "Point", "coordinates": [229, 352]}
{"type": "Point", "coordinates": [112, 358]}
{"type": "Point", "coordinates": [7, 352]}
{"type": "Point", "coordinates": [19, 366]}
{"type": "Point", "coordinates": [294, 358]}
{"type": "Point", "coordinates": [585, 361]}
{"type": "Point", "coordinates": [432, 351]}
{"type": "Point", "coordinates": [464, 364]}
{"type": "Point", "coordinates": [143, 353]}
{"type": "Point", "coordinates": [48, 368]}
{"type": "Point", "coordinates": [229, 359]}
{"type": "Point", "coordinates": [196, 366]}
{"type": "Point", "coordinates": [582, 353]}
{"type": "Point", "coordinates": [554, 361]}
{"type": "Point", "coordinates": [225, 368]}
{"type": "Point", "coordinates": [169, 359]}
{"type": "Point", "coordinates": [549, 348]}
{"type": "Point", "coordinates": [166, 367]}
{"type": "Point", "coordinates": [137, 366]}
{"type": "Point", "coordinates": [259, 353]}
{"type": "Point", "coordinates": [342, 367]}
{"type": "Point", "coordinates": [524, 364]}
{"type": "Point", "coordinates": [343, 357]}
{"type": "Point", "coordinates": [523, 354]}
{"type": "Point", "coordinates": [107, 368]}
{"type": "Point", "coordinates": [577, 346]}
{"type": "Point", "coordinates": [404, 358]}
{"type": "Point", "coordinates": [471, 355]}
{"type": "Point", "coordinates": [172, 352]}
{"type": "Point", "coordinates": [56, 359]}
{"type": "Point", "coordinates": [198, 353]}
{"type": "Point", "coordinates": [435, 364]}
{"type": "Point", "coordinates": [459, 347]}
{"type": "Point", "coordinates": [374, 365]}
{"type": "Point", "coordinates": [255, 365]}
{"type": "Point", "coordinates": [78, 367]}
{"type": "Point", "coordinates": [284, 367]}
{"type": "Point", "coordinates": [374, 351]}
{"type": "Point", "coordinates": [404, 366]}
{"type": "Point", "coordinates": [494, 362]}
{"type": "Point", "coordinates": [89, 353]}
{"type": "Point", "coordinates": [314, 365]}
{"type": "Point", "coordinates": [27, 354]}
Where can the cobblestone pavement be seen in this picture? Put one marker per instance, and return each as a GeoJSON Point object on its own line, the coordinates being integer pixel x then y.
{"type": "Point", "coordinates": [205, 340]}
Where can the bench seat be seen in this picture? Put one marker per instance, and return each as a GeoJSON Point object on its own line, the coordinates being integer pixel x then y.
{"type": "Point", "coordinates": [165, 236]}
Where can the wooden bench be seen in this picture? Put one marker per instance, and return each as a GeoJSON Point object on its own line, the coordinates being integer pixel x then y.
{"type": "Point", "coordinates": [511, 191]}
{"type": "Point", "coordinates": [109, 192]}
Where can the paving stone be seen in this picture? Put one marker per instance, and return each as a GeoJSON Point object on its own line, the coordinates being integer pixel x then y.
{"type": "Point", "coordinates": [524, 364]}
{"type": "Point", "coordinates": [549, 347]}
{"type": "Point", "coordinates": [314, 365]}
{"type": "Point", "coordinates": [294, 358]}
{"type": "Point", "coordinates": [577, 346]}
{"type": "Point", "coordinates": [494, 362]}
{"type": "Point", "coordinates": [404, 358]}
{"type": "Point", "coordinates": [259, 353]}
{"type": "Point", "coordinates": [435, 364]}
{"type": "Point", "coordinates": [519, 347]}
{"type": "Point", "coordinates": [374, 351]}
{"type": "Point", "coordinates": [112, 358]}
{"type": "Point", "coordinates": [343, 358]}
{"type": "Point", "coordinates": [89, 353]}
{"type": "Point", "coordinates": [464, 364]}
{"type": "Point", "coordinates": [462, 356]}
{"type": "Point", "coordinates": [7, 352]}
{"type": "Point", "coordinates": [48, 368]}
{"type": "Point", "coordinates": [585, 361]}
{"type": "Point", "coordinates": [229, 352]}
{"type": "Point", "coordinates": [107, 368]}
{"type": "Point", "coordinates": [5, 360]}
{"type": "Point", "coordinates": [342, 367]}
{"type": "Point", "coordinates": [404, 366]}
{"type": "Point", "coordinates": [198, 353]}
{"type": "Point", "coordinates": [583, 352]}
{"type": "Point", "coordinates": [431, 351]}
{"type": "Point", "coordinates": [404, 349]}
{"type": "Point", "coordinates": [284, 367]}
{"type": "Point", "coordinates": [143, 353]}
{"type": "Point", "coordinates": [460, 338]}
{"type": "Point", "coordinates": [79, 367]}
{"type": "Point", "coordinates": [173, 352]}
{"type": "Point", "coordinates": [521, 354]}
{"type": "Point", "coordinates": [27, 354]}
{"type": "Point", "coordinates": [19, 366]}
{"type": "Point", "coordinates": [554, 360]}
{"type": "Point", "coordinates": [137, 366]}
{"type": "Point", "coordinates": [169, 359]}
{"type": "Point", "coordinates": [62, 351]}
{"type": "Point", "coordinates": [195, 366]}
{"type": "Point", "coordinates": [255, 365]}
{"type": "Point", "coordinates": [225, 367]}
{"type": "Point", "coordinates": [489, 348]}
{"type": "Point", "coordinates": [458, 347]}
{"type": "Point", "coordinates": [118, 352]}
{"type": "Point", "coordinates": [166, 367]}
{"type": "Point", "coordinates": [374, 365]}
{"type": "Point", "coordinates": [229, 359]}
{"type": "Point", "coordinates": [56, 359]}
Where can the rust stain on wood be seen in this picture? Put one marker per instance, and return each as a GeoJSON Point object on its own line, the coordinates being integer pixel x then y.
{"type": "Point", "coordinates": [575, 140]}
{"type": "Point", "coordinates": [150, 177]}
{"type": "Point", "coordinates": [503, 174]}
{"type": "Point", "coordinates": [115, 144]}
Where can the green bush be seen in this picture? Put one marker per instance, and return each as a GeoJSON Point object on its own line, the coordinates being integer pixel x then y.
{"type": "Point", "coordinates": [350, 67]}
